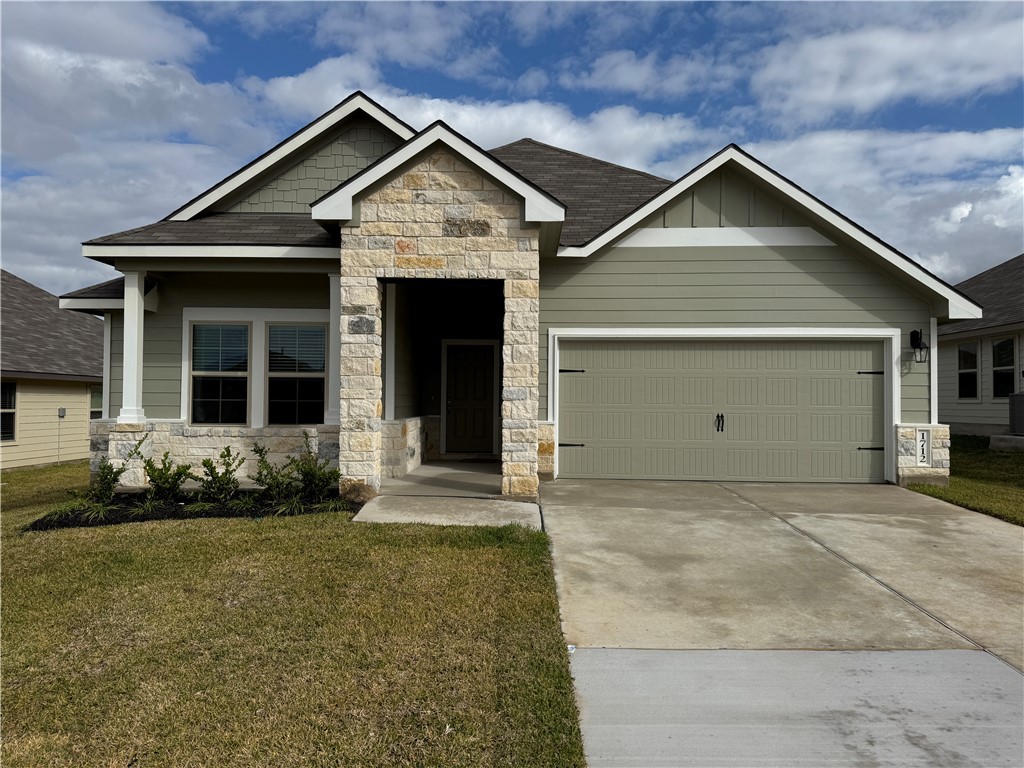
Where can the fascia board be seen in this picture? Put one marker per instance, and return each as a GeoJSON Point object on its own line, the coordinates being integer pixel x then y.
{"type": "Point", "coordinates": [89, 305]}
{"type": "Point", "coordinates": [304, 137]}
{"type": "Point", "coordinates": [101, 252]}
{"type": "Point", "coordinates": [338, 205]}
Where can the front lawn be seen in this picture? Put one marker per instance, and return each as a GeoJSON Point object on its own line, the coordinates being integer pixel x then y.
{"type": "Point", "coordinates": [985, 481]}
{"type": "Point", "coordinates": [281, 641]}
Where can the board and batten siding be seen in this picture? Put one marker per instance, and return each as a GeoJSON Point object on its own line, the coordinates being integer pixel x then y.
{"type": "Point", "coordinates": [40, 437]}
{"type": "Point", "coordinates": [987, 414]}
{"type": "Point", "coordinates": [162, 342]}
{"type": "Point", "coordinates": [721, 287]}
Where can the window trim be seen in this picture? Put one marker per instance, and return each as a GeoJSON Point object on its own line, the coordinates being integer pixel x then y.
{"type": "Point", "coordinates": [259, 318]}
{"type": "Point", "coordinates": [101, 410]}
{"type": "Point", "coordinates": [222, 374]}
{"type": "Point", "coordinates": [268, 374]}
{"type": "Point", "coordinates": [14, 410]}
{"type": "Point", "coordinates": [1012, 367]}
{"type": "Point", "coordinates": [976, 370]}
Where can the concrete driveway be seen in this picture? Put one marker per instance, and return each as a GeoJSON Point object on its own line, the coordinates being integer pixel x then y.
{"type": "Point", "coordinates": [700, 612]}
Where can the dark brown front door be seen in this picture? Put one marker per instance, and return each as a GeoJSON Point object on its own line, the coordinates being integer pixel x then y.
{"type": "Point", "coordinates": [470, 403]}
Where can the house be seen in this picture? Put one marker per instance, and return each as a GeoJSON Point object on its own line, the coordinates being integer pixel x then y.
{"type": "Point", "coordinates": [980, 359]}
{"type": "Point", "coordinates": [51, 364]}
{"type": "Point", "coordinates": [404, 295]}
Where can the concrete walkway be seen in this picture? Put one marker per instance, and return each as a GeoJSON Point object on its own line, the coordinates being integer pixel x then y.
{"type": "Point", "coordinates": [754, 581]}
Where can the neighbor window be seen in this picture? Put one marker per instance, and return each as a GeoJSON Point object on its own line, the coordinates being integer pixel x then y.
{"type": "Point", "coordinates": [967, 370]}
{"type": "Point", "coordinates": [295, 374]}
{"type": "Point", "coordinates": [96, 401]}
{"type": "Point", "coordinates": [220, 374]}
{"type": "Point", "coordinates": [1003, 368]}
{"type": "Point", "coordinates": [7, 401]}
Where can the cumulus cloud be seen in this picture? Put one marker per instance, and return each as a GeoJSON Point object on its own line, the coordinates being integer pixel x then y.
{"type": "Point", "coordinates": [650, 76]}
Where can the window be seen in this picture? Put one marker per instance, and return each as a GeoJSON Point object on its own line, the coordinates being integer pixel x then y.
{"type": "Point", "coordinates": [295, 374]}
{"type": "Point", "coordinates": [1003, 368]}
{"type": "Point", "coordinates": [967, 370]}
{"type": "Point", "coordinates": [220, 374]}
{"type": "Point", "coordinates": [96, 401]}
{"type": "Point", "coordinates": [8, 395]}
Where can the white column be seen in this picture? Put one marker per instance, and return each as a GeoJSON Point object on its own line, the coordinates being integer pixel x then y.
{"type": "Point", "coordinates": [933, 371]}
{"type": "Point", "coordinates": [333, 393]}
{"type": "Point", "coordinates": [134, 310]}
{"type": "Point", "coordinates": [106, 365]}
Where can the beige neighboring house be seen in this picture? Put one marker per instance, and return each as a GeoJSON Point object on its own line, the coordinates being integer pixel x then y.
{"type": "Point", "coordinates": [51, 376]}
{"type": "Point", "coordinates": [405, 296]}
{"type": "Point", "coordinates": [980, 360]}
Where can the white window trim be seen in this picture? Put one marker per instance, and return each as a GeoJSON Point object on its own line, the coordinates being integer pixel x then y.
{"type": "Point", "coordinates": [268, 374]}
{"type": "Point", "coordinates": [1012, 368]}
{"type": "Point", "coordinates": [890, 337]}
{"type": "Point", "coordinates": [258, 318]}
{"type": "Point", "coordinates": [13, 410]}
{"type": "Point", "coordinates": [496, 345]}
{"type": "Point", "coordinates": [977, 370]}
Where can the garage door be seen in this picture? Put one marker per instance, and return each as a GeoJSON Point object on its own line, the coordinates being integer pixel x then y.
{"type": "Point", "coordinates": [775, 411]}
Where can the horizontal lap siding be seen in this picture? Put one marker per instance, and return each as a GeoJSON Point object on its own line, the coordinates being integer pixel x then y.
{"type": "Point", "coordinates": [984, 410]}
{"type": "Point", "coordinates": [37, 426]}
{"type": "Point", "coordinates": [805, 286]}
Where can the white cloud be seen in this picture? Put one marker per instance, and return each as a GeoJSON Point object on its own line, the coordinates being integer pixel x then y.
{"type": "Point", "coordinates": [650, 76]}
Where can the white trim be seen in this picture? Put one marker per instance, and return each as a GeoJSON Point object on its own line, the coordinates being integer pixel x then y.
{"type": "Point", "coordinates": [306, 136]}
{"type": "Point", "coordinates": [106, 365]}
{"type": "Point", "coordinates": [257, 318]}
{"type": "Point", "coordinates": [496, 353]}
{"type": "Point", "coordinates": [210, 251]}
{"type": "Point", "coordinates": [890, 337]}
{"type": "Point", "coordinates": [332, 387]}
{"type": "Point", "coordinates": [958, 306]}
{"type": "Point", "coordinates": [389, 351]}
{"type": "Point", "coordinates": [89, 305]}
{"type": "Point", "coordinates": [132, 411]}
{"type": "Point", "coordinates": [337, 205]}
{"type": "Point", "coordinates": [721, 237]}
{"type": "Point", "coordinates": [933, 371]}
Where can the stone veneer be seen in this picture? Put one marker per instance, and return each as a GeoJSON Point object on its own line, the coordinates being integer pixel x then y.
{"type": "Point", "coordinates": [907, 469]}
{"type": "Point", "coordinates": [439, 218]}
{"type": "Point", "coordinates": [190, 445]}
{"type": "Point", "coordinates": [402, 444]}
{"type": "Point", "coordinates": [546, 449]}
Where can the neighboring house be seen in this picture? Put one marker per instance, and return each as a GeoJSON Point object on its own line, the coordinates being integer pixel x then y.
{"type": "Point", "coordinates": [51, 371]}
{"type": "Point", "coordinates": [404, 295]}
{"type": "Point", "coordinates": [980, 362]}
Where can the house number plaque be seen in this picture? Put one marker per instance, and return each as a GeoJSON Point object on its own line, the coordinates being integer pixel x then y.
{"type": "Point", "coordinates": [924, 447]}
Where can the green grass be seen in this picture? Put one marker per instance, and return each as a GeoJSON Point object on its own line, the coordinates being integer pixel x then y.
{"type": "Point", "coordinates": [986, 481]}
{"type": "Point", "coordinates": [300, 641]}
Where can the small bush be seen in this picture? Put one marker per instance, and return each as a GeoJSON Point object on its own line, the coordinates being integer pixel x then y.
{"type": "Point", "coordinates": [108, 476]}
{"type": "Point", "coordinates": [278, 483]}
{"type": "Point", "coordinates": [219, 485]}
{"type": "Point", "coordinates": [166, 478]}
{"type": "Point", "coordinates": [75, 513]}
{"type": "Point", "coordinates": [317, 479]}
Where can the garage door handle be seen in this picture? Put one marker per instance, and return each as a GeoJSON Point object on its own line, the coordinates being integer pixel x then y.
{"type": "Point", "coordinates": [882, 448]}
{"type": "Point", "coordinates": [571, 445]}
{"type": "Point", "coordinates": [720, 423]}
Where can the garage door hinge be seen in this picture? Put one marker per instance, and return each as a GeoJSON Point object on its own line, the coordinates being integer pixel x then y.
{"type": "Point", "coordinates": [871, 373]}
{"type": "Point", "coordinates": [871, 449]}
{"type": "Point", "coordinates": [571, 370]}
{"type": "Point", "coordinates": [571, 445]}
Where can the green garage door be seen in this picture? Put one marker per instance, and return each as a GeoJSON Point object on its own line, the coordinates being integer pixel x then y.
{"type": "Point", "coordinates": [775, 410]}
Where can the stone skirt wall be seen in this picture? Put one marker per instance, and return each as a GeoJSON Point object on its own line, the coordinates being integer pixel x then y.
{"type": "Point", "coordinates": [403, 443]}
{"type": "Point", "coordinates": [908, 468]}
{"type": "Point", "coordinates": [191, 444]}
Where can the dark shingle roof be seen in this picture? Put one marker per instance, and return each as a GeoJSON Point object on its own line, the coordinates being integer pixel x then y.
{"type": "Point", "coordinates": [999, 291]}
{"type": "Point", "coordinates": [228, 229]}
{"type": "Point", "coordinates": [112, 289]}
{"type": "Point", "coordinates": [596, 193]}
{"type": "Point", "coordinates": [39, 337]}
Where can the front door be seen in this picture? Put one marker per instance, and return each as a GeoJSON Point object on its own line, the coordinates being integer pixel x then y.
{"type": "Point", "coordinates": [469, 424]}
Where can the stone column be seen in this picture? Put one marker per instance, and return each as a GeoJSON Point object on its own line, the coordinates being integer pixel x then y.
{"type": "Point", "coordinates": [134, 311]}
{"type": "Point", "coordinates": [520, 389]}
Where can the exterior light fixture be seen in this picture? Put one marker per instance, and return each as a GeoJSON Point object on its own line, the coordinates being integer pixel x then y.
{"type": "Point", "coordinates": [918, 345]}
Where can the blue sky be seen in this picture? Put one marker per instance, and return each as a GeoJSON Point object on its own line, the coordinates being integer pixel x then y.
{"type": "Point", "coordinates": [907, 117]}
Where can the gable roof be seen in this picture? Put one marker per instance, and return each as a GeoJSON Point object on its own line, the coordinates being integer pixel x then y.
{"type": "Point", "coordinates": [1000, 290]}
{"type": "Point", "coordinates": [596, 193]}
{"type": "Point", "coordinates": [288, 149]}
{"type": "Point", "coordinates": [41, 340]}
{"type": "Point", "coordinates": [228, 229]}
{"type": "Point", "coordinates": [336, 205]}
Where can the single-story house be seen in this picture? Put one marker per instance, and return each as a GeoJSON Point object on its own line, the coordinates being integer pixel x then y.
{"type": "Point", "coordinates": [406, 295]}
{"type": "Point", "coordinates": [51, 371]}
{"type": "Point", "coordinates": [980, 362]}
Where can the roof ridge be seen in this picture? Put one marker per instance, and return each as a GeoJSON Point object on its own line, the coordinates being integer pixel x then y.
{"type": "Point", "coordinates": [581, 155]}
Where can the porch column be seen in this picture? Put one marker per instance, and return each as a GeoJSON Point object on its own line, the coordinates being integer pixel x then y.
{"type": "Point", "coordinates": [134, 311]}
{"type": "Point", "coordinates": [333, 394]}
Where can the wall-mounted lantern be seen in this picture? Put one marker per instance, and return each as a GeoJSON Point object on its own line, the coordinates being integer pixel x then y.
{"type": "Point", "coordinates": [918, 345]}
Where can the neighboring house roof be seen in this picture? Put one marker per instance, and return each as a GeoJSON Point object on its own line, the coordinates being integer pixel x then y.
{"type": "Point", "coordinates": [43, 341]}
{"type": "Point", "coordinates": [294, 229]}
{"type": "Point", "coordinates": [596, 194]}
{"type": "Point", "coordinates": [1000, 291]}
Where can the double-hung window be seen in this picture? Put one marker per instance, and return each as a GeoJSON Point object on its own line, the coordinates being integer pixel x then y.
{"type": "Point", "coordinates": [96, 401]}
{"type": "Point", "coordinates": [220, 373]}
{"type": "Point", "coordinates": [295, 373]}
{"type": "Point", "coordinates": [8, 398]}
{"type": "Point", "coordinates": [967, 370]}
{"type": "Point", "coordinates": [1003, 367]}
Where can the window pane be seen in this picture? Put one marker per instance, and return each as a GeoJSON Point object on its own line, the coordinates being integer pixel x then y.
{"type": "Point", "coordinates": [6, 426]}
{"type": "Point", "coordinates": [968, 357]}
{"type": "Point", "coordinates": [7, 395]}
{"type": "Point", "coordinates": [295, 401]}
{"type": "Point", "coordinates": [1002, 383]}
{"type": "Point", "coordinates": [1002, 353]}
{"type": "Point", "coordinates": [220, 348]}
{"type": "Point", "coordinates": [219, 400]}
{"type": "Point", "coordinates": [96, 397]}
{"type": "Point", "coordinates": [295, 348]}
{"type": "Point", "coordinates": [968, 388]}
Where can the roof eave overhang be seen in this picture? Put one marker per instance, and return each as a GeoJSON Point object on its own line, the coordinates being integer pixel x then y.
{"type": "Point", "coordinates": [338, 205]}
{"type": "Point", "coordinates": [948, 302]}
{"type": "Point", "coordinates": [41, 376]}
{"type": "Point", "coordinates": [151, 303]}
{"type": "Point", "coordinates": [108, 254]}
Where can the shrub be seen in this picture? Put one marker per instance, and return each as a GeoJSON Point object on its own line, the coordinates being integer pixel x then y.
{"type": "Point", "coordinates": [166, 478]}
{"type": "Point", "coordinates": [219, 485]}
{"type": "Point", "coordinates": [317, 479]}
{"type": "Point", "coordinates": [278, 483]}
{"type": "Point", "coordinates": [101, 491]}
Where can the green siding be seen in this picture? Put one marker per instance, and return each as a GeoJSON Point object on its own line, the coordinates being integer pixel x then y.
{"type": "Point", "coordinates": [727, 199]}
{"type": "Point", "coordinates": [342, 156]}
{"type": "Point", "coordinates": [805, 286]}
